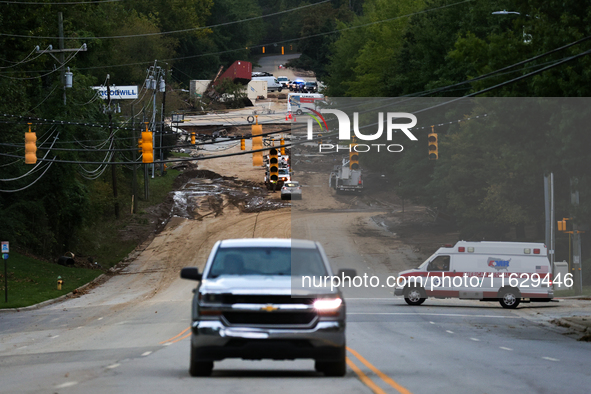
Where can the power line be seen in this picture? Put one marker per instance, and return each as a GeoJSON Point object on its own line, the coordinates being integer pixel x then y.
{"type": "Point", "coordinates": [266, 44]}
{"type": "Point", "coordinates": [172, 31]}
{"type": "Point", "coordinates": [58, 3]}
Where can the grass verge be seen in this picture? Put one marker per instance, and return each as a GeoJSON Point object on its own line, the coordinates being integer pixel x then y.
{"type": "Point", "coordinates": [107, 241]}
{"type": "Point", "coordinates": [31, 281]}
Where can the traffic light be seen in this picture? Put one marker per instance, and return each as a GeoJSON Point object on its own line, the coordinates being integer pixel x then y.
{"type": "Point", "coordinates": [257, 143]}
{"type": "Point", "coordinates": [562, 224]}
{"type": "Point", "coordinates": [147, 146]}
{"type": "Point", "coordinates": [433, 148]}
{"type": "Point", "coordinates": [193, 138]}
{"type": "Point", "coordinates": [30, 147]}
{"type": "Point", "coordinates": [282, 142]}
{"type": "Point", "coordinates": [273, 165]}
{"type": "Point", "coordinates": [242, 144]}
{"type": "Point", "coordinates": [353, 156]}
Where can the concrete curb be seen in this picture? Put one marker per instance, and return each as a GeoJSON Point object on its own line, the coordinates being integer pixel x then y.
{"type": "Point", "coordinates": [99, 279]}
{"type": "Point", "coordinates": [102, 278]}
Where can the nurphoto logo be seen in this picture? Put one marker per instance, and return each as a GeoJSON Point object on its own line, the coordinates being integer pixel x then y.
{"type": "Point", "coordinates": [392, 125]}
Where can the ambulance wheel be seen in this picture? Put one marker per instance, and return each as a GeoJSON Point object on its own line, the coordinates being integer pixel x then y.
{"type": "Point", "coordinates": [414, 296]}
{"type": "Point", "coordinates": [509, 298]}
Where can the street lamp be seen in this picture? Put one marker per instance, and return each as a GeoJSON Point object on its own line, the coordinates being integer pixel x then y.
{"type": "Point", "coordinates": [526, 37]}
{"type": "Point", "coordinates": [505, 12]}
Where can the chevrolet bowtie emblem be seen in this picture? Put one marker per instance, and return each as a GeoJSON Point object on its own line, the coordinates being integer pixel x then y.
{"type": "Point", "coordinates": [269, 308]}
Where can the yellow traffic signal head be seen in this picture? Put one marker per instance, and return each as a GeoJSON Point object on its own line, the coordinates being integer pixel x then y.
{"type": "Point", "coordinates": [273, 165]}
{"type": "Point", "coordinates": [193, 138]}
{"type": "Point", "coordinates": [30, 148]}
{"type": "Point", "coordinates": [147, 147]}
{"type": "Point", "coordinates": [353, 159]}
{"type": "Point", "coordinates": [433, 146]}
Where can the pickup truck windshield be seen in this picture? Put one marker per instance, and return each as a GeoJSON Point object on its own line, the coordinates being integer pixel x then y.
{"type": "Point", "coordinates": [267, 261]}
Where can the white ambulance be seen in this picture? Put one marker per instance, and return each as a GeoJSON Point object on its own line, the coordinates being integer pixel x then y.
{"type": "Point", "coordinates": [508, 272]}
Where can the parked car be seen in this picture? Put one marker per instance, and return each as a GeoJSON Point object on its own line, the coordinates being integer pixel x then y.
{"type": "Point", "coordinates": [291, 190]}
{"type": "Point", "coordinates": [261, 74]}
{"type": "Point", "coordinates": [310, 87]}
{"type": "Point", "coordinates": [297, 85]}
{"type": "Point", "coordinates": [284, 175]}
{"type": "Point", "coordinates": [249, 304]}
{"type": "Point", "coordinates": [284, 81]}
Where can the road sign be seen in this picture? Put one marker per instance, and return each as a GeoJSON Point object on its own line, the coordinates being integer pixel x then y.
{"type": "Point", "coordinates": [4, 246]}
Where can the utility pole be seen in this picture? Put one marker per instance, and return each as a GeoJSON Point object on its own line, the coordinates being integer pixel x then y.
{"type": "Point", "coordinates": [163, 90]}
{"type": "Point", "coordinates": [66, 77]}
{"type": "Point", "coordinates": [133, 166]}
{"type": "Point", "coordinates": [146, 180]}
{"type": "Point", "coordinates": [113, 167]}
{"type": "Point", "coordinates": [60, 20]}
{"type": "Point", "coordinates": [576, 267]}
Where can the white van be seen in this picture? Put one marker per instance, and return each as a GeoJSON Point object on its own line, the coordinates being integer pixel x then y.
{"type": "Point", "coordinates": [508, 272]}
{"type": "Point", "coordinates": [272, 83]}
{"type": "Point", "coordinates": [298, 102]}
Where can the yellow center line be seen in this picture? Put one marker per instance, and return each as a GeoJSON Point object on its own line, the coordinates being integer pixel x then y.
{"type": "Point", "coordinates": [382, 375]}
{"type": "Point", "coordinates": [364, 378]}
{"type": "Point", "coordinates": [181, 338]}
{"type": "Point", "coordinates": [176, 336]}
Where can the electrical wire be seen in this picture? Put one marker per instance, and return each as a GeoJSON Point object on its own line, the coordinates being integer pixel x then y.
{"type": "Point", "coordinates": [174, 31]}
{"type": "Point", "coordinates": [30, 184]}
{"type": "Point", "coordinates": [23, 60]}
{"type": "Point", "coordinates": [58, 3]}
{"type": "Point", "coordinates": [48, 73]}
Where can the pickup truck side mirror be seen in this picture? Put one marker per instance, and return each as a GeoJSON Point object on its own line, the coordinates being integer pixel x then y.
{"type": "Point", "coordinates": [191, 273]}
{"type": "Point", "coordinates": [347, 273]}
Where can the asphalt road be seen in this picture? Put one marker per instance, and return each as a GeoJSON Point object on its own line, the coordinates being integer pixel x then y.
{"type": "Point", "coordinates": [131, 333]}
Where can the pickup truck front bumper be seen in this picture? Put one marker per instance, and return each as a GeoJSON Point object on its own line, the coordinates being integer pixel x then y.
{"type": "Point", "coordinates": [212, 341]}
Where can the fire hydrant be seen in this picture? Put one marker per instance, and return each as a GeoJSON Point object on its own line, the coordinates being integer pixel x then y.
{"type": "Point", "coordinates": [60, 282]}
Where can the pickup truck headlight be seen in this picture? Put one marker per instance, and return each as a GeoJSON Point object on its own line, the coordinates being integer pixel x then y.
{"type": "Point", "coordinates": [328, 306]}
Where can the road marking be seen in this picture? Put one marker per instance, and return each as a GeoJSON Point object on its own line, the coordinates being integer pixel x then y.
{"type": "Point", "coordinates": [100, 318]}
{"type": "Point", "coordinates": [364, 379]}
{"type": "Point", "coordinates": [22, 347]}
{"type": "Point", "coordinates": [432, 322]}
{"type": "Point", "coordinates": [382, 375]}
{"type": "Point", "coordinates": [113, 366]}
{"type": "Point", "coordinates": [505, 348]}
{"type": "Point", "coordinates": [181, 338]}
{"type": "Point", "coordinates": [55, 336]}
{"type": "Point", "coordinates": [176, 336]}
{"type": "Point", "coordinates": [78, 327]}
{"type": "Point", "coordinates": [430, 314]}
{"type": "Point", "coordinates": [449, 331]}
{"type": "Point", "coordinates": [475, 339]}
{"type": "Point", "coordinates": [550, 359]}
{"type": "Point", "coordinates": [64, 385]}
{"type": "Point", "coordinates": [144, 354]}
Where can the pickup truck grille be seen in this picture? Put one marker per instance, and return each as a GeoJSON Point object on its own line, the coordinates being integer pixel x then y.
{"type": "Point", "coordinates": [270, 318]}
{"type": "Point", "coordinates": [265, 299]}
